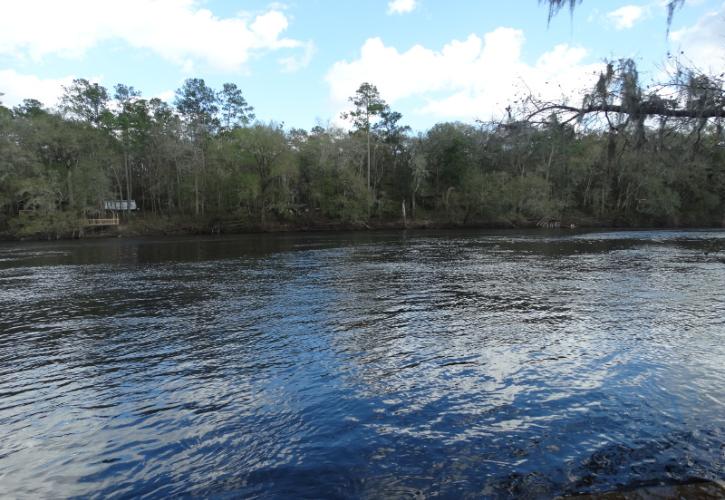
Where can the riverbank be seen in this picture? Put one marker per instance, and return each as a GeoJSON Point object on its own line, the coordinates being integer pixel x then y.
{"type": "Point", "coordinates": [159, 226]}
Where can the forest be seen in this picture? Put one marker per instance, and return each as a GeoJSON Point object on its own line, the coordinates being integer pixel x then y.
{"type": "Point", "coordinates": [624, 154]}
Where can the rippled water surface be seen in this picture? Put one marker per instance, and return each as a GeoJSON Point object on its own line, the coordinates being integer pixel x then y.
{"type": "Point", "coordinates": [362, 365]}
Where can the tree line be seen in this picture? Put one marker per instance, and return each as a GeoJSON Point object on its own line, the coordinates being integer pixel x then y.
{"type": "Point", "coordinates": [625, 154]}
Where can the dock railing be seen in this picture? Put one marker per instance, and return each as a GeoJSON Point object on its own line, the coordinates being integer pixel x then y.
{"type": "Point", "coordinates": [114, 221]}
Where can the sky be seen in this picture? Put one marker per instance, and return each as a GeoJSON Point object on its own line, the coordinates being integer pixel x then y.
{"type": "Point", "coordinates": [298, 61]}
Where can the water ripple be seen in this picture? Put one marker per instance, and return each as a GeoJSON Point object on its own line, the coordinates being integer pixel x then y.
{"type": "Point", "coordinates": [492, 364]}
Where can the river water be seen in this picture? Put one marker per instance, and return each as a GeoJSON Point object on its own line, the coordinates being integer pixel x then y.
{"type": "Point", "coordinates": [453, 364]}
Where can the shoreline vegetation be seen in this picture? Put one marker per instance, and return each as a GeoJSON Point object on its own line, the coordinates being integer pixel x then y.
{"type": "Point", "coordinates": [174, 226]}
{"type": "Point", "coordinates": [629, 155]}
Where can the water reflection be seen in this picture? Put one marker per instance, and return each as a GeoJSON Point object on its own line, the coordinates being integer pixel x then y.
{"type": "Point", "coordinates": [378, 364]}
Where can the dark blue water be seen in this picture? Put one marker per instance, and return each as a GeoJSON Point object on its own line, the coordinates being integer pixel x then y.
{"type": "Point", "coordinates": [473, 364]}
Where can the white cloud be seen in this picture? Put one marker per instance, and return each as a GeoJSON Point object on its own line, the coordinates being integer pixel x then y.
{"type": "Point", "coordinates": [473, 78]}
{"type": "Point", "coordinates": [178, 30]}
{"type": "Point", "coordinates": [401, 6]}
{"type": "Point", "coordinates": [166, 95]}
{"type": "Point", "coordinates": [295, 63]}
{"type": "Point", "coordinates": [704, 43]}
{"type": "Point", "coordinates": [17, 86]}
{"type": "Point", "coordinates": [626, 17]}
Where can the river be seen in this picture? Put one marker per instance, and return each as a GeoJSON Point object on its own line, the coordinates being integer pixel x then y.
{"type": "Point", "coordinates": [396, 364]}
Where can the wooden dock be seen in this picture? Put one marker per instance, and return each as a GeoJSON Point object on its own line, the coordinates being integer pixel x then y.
{"type": "Point", "coordinates": [549, 223]}
{"type": "Point", "coordinates": [114, 221]}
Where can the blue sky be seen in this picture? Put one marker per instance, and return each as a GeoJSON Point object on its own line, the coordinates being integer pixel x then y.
{"type": "Point", "coordinates": [297, 61]}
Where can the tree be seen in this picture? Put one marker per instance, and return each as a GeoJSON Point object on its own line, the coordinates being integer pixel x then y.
{"type": "Point", "coordinates": [688, 95]}
{"type": "Point", "coordinates": [419, 174]}
{"type": "Point", "coordinates": [125, 93]}
{"type": "Point", "coordinates": [625, 154]}
{"type": "Point", "coordinates": [167, 154]}
{"type": "Point", "coordinates": [132, 122]}
{"type": "Point", "coordinates": [450, 152]}
{"type": "Point", "coordinates": [198, 105]}
{"type": "Point", "coordinates": [270, 152]}
{"type": "Point", "coordinates": [388, 128]}
{"type": "Point", "coordinates": [368, 105]}
{"type": "Point", "coordinates": [29, 108]}
{"type": "Point", "coordinates": [235, 110]}
{"type": "Point", "coordinates": [556, 5]}
{"type": "Point", "coordinates": [85, 101]}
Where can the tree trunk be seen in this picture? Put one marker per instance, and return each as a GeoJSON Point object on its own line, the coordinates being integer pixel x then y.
{"type": "Point", "coordinates": [128, 182]}
{"type": "Point", "coordinates": [69, 180]}
{"type": "Point", "coordinates": [196, 192]}
{"type": "Point", "coordinates": [203, 171]}
{"type": "Point", "coordinates": [368, 134]}
{"type": "Point", "coordinates": [179, 206]}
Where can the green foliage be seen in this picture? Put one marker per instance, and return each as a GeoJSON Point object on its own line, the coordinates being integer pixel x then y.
{"type": "Point", "coordinates": [198, 104]}
{"type": "Point", "coordinates": [51, 225]}
{"type": "Point", "coordinates": [85, 101]}
{"type": "Point", "coordinates": [449, 149]}
{"type": "Point", "coordinates": [368, 105]}
{"type": "Point", "coordinates": [204, 160]}
{"type": "Point", "coordinates": [235, 111]}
